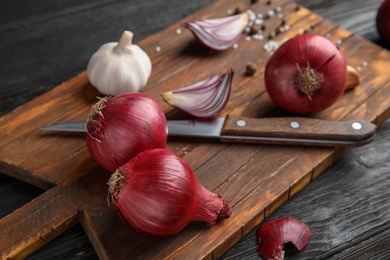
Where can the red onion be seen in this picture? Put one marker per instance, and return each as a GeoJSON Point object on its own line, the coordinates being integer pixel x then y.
{"type": "Point", "coordinates": [121, 127]}
{"type": "Point", "coordinates": [203, 99]}
{"type": "Point", "coordinates": [306, 74]}
{"type": "Point", "coordinates": [383, 21]}
{"type": "Point", "coordinates": [219, 33]}
{"type": "Point", "coordinates": [156, 193]}
{"type": "Point", "coordinates": [275, 236]}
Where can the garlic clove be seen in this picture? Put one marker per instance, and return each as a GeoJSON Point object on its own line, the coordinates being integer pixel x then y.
{"type": "Point", "coordinates": [203, 99]}
{"type": "Point", "coordinates": [275, 236]}
{"type": "Point", "coordinates": [353, 78]}
{"type": "Point", "coordinates": [219, 33]}
{"type": "Point", "coordinates": [119, 67]}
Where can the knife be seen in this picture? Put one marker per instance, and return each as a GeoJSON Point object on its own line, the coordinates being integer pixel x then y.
{"type": "Point", "coordinates": [277, 130]}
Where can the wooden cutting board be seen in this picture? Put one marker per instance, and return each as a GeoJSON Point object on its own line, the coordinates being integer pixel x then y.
{"type": "Point", "coordinates": [256, 179]}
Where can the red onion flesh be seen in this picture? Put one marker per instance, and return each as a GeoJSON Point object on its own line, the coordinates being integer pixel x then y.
{"type": "Point", "coordinates": [204, 99]}
{"type": "Point", "coordinates": [219, 33]}
{"type": "Point", "coordinates": [275, 234]}
{"type": "Point", "coordinates": [121, 127]}
{"type": "Point", "coordinates": [156, 193]}
{"type": "Point", "coordinates": [306, 74]}
{"type": "Point", "coordinates": [383, 21]}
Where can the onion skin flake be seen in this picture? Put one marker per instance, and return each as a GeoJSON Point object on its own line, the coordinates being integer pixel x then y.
{"type": "Point", "coordinates": [282, 236]}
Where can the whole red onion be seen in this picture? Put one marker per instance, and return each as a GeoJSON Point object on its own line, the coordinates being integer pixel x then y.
{"type": "Point", "coordinates": [306, 74]}
{"type": "Point", "coordinates": [383, 21]}
{"type": "Point", "coordinates": [156, 193]}
{"type": "Point", "coordinates": [121, 127]}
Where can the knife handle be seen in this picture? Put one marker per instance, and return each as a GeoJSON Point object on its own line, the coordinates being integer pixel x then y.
{"type": "Point", "coordinates": [305, 131]}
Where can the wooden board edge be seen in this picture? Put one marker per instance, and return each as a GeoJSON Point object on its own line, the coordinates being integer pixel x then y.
{"type": "Point", "coordinates": [41, 220]}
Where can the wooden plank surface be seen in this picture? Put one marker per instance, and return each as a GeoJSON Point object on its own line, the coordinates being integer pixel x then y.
{"type": "Point", "coordinates": [373, 87]}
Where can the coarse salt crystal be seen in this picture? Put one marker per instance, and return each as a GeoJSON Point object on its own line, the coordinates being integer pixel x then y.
{"type": "Point", "coordinates": [252, 15]}
{"type": "Point", "coordinates": [271, 13]}
{"type": "Point", "coordinates": [258, 36]}
{"type": "Point", "coordinates": [259, 21]}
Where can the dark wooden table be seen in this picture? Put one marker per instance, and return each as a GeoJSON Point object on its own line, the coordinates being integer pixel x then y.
{"type": "Point", "coordinates": [44, 43]}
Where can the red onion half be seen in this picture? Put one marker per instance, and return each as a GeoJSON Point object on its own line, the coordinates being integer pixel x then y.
{"type": "Point", "coordinates": [203, 99]}
{"type": "Point", "coordinates": [383, 21]}
{"type": "Point", "coordinates": [156, 193]}
{"type": "Point", "coordinates": [121, 127]}
{"type": "Point", "coordinates": [306, 74]}
{"type": "Point", "coordinates": [219, 33]}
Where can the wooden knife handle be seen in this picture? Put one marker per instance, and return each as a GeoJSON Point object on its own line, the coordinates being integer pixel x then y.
{"type": "Point", "coordinates": [307, 131]}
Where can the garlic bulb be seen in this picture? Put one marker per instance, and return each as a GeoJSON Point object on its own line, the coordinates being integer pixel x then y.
{"type": "Point", "coordinates": [119, 67]}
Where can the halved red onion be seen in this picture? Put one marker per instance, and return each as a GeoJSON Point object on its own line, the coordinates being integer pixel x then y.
{"type": "Point", "coordinates": [204, 99]}
{"type": "Point", "coordinates": [219, 33]}
{"type": "Point", "coordinates": [276, 234]}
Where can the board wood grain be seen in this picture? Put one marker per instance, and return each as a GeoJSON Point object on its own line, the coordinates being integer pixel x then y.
{"type": "Point", "coordinates": [256, 179]}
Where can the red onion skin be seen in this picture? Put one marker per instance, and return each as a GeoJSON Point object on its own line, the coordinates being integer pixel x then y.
{"type": "Point", "coordinates": [321, 55]}
{"type": "Point", "coordinates": [274, 233]}
{"type": "Point", "coordinates": [127, 125]}
{"type": "Point", "coordinates": [383, 21]}
{"type": "Point", "coordinates": [159, 195]}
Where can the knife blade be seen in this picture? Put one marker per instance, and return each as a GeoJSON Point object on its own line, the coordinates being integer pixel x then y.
{"type": "Point", "coordinates": [277, 130]}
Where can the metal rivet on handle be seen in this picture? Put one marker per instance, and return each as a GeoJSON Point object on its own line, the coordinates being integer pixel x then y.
{"type": "Point", "coordinates": [241, 122]}
{"type": "Point", "coordinates": [357, 125]}
{"type": "Point", "coordinates": [294, 124]}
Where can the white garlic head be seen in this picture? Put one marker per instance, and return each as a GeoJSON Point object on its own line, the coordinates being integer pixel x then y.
{"type": "Point", "coordinates": [119, 67]}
